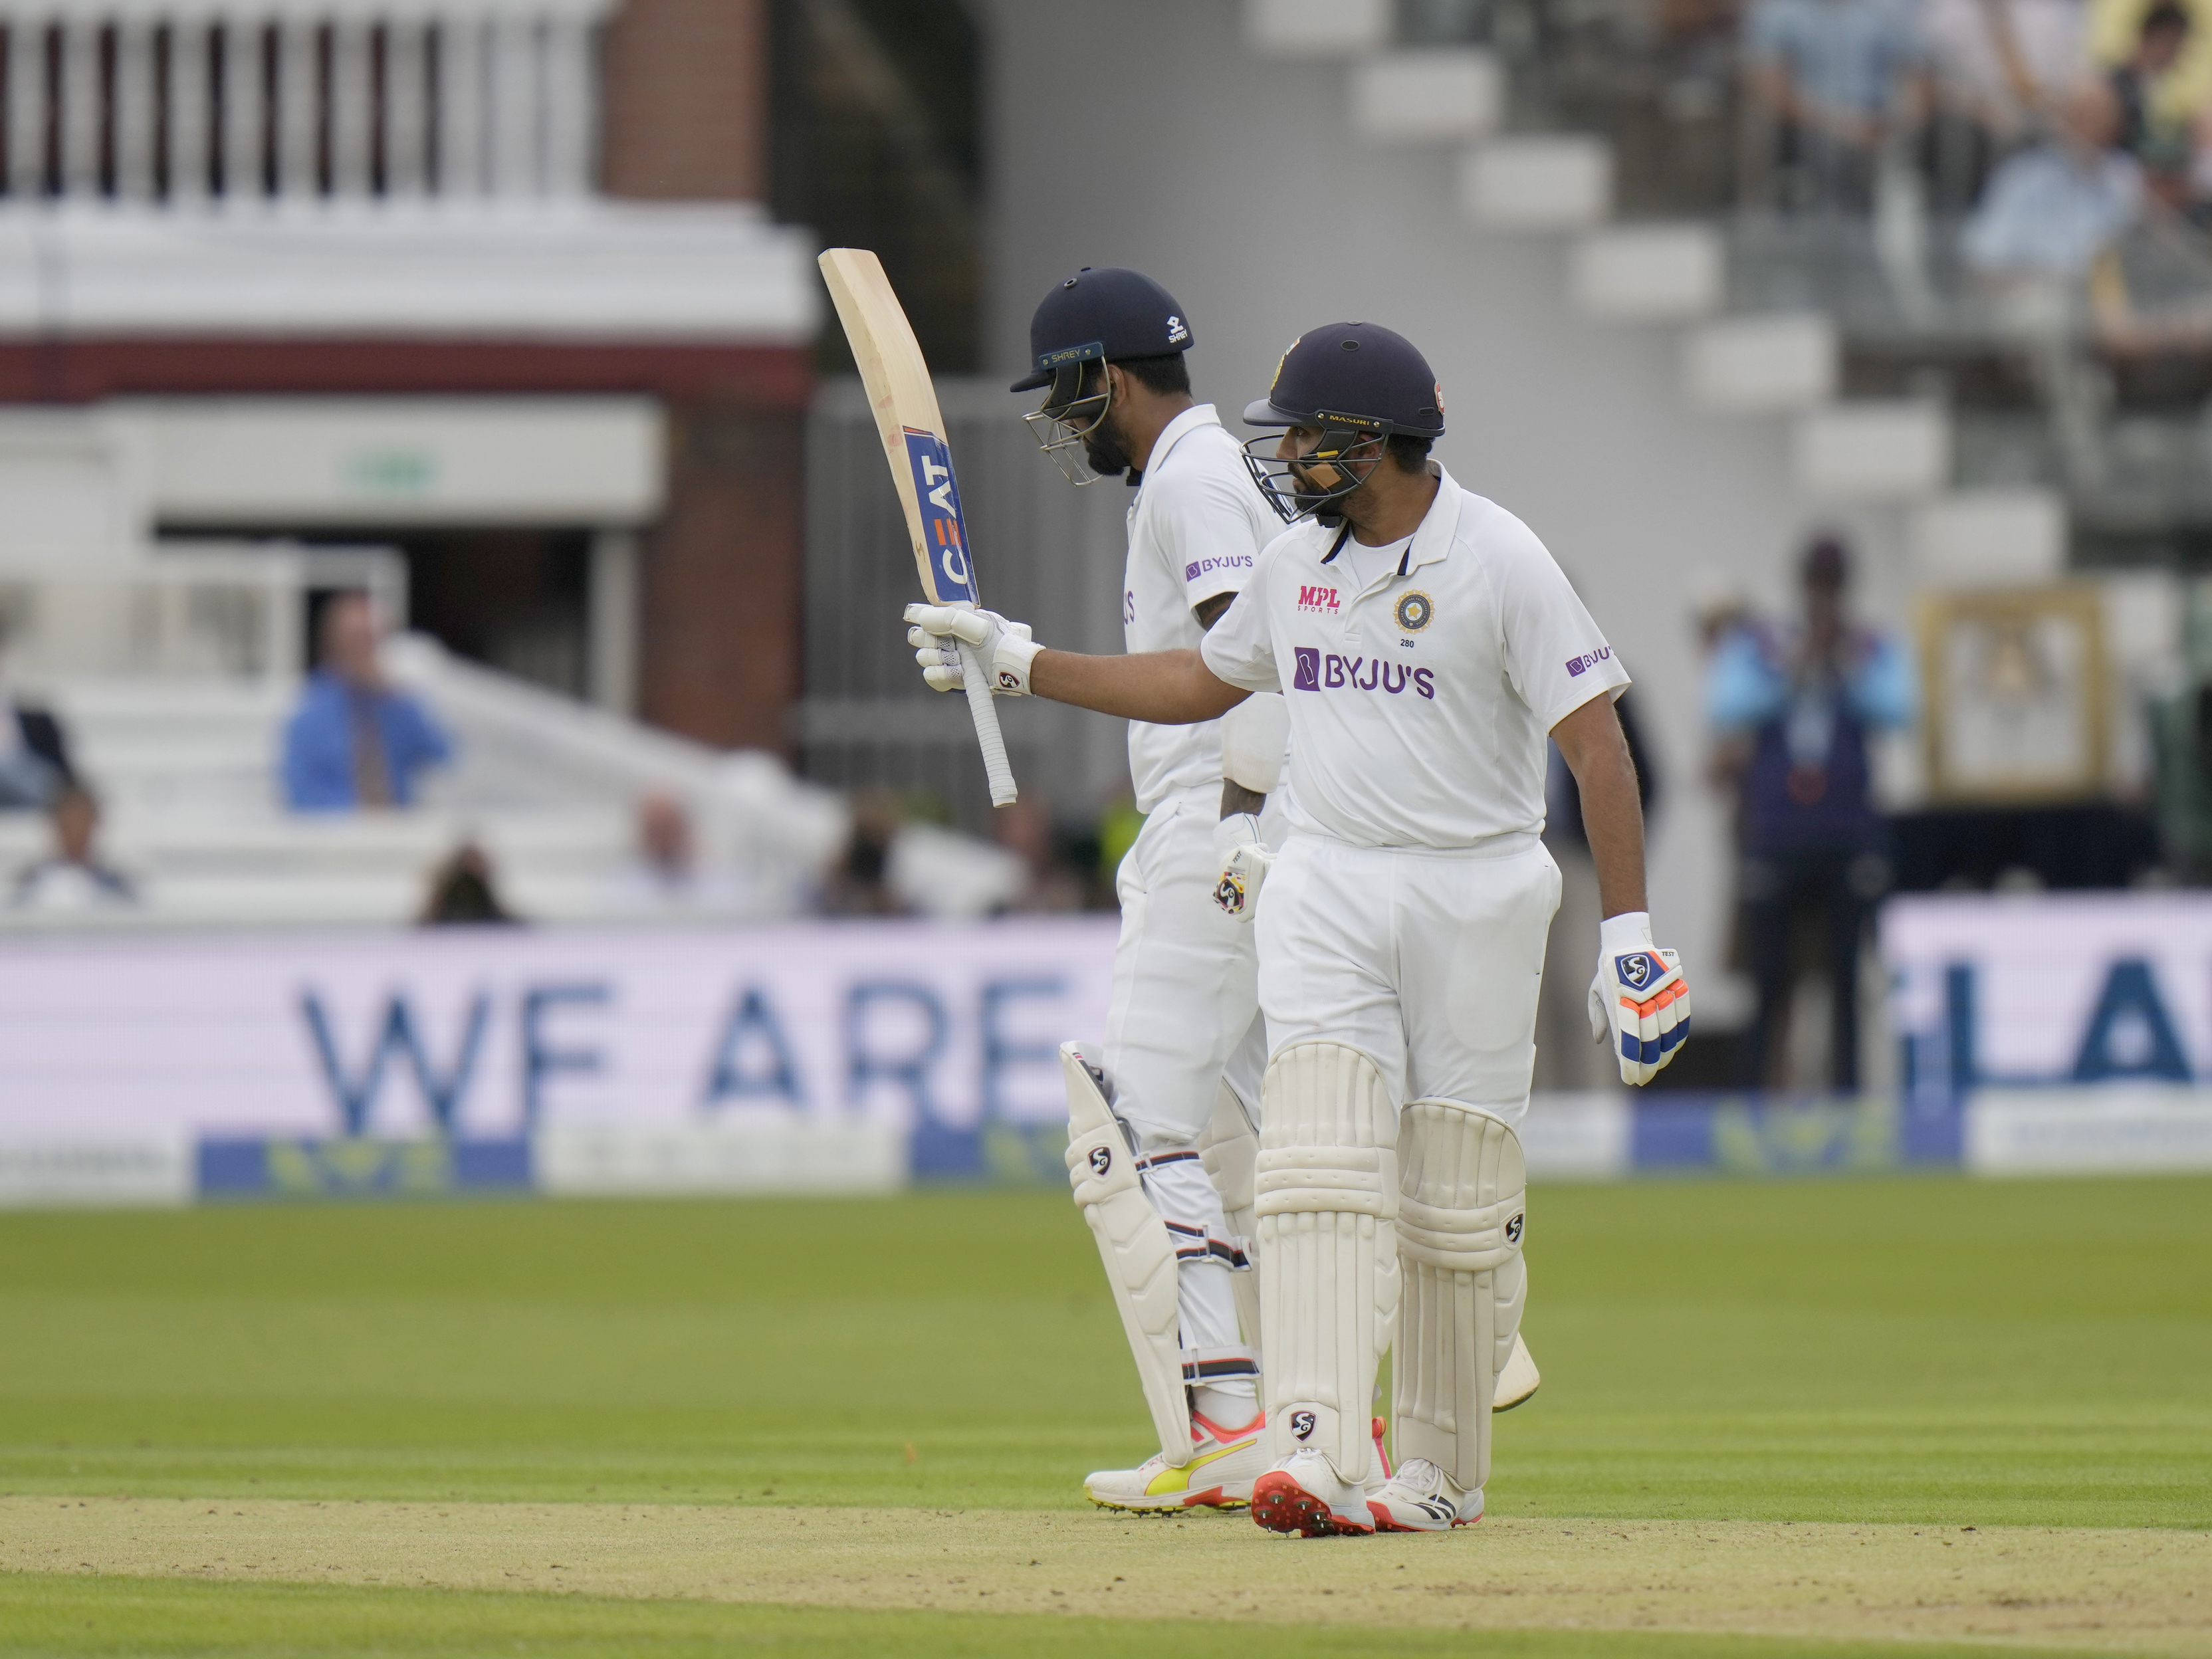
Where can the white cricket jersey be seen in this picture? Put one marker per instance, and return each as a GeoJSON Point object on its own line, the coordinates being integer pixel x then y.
{"type": "Point", "coordinates": [1420, 701]}
{"type": "Point", "coordinates": [1196, 529]}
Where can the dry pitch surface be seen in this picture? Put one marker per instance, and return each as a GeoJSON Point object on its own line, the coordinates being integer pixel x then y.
{"type": "Point", "coordinates": [2114, 1591]}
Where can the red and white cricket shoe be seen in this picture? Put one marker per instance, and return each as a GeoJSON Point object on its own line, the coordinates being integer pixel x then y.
{"type": "Point", "coordinates": [1304, 1494]}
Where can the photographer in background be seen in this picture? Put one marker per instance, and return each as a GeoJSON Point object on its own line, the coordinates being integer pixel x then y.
{"type": "Point", "coordinates": [1797, 705]}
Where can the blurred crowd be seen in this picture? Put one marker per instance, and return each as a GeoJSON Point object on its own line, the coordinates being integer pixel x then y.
{"type": "Point", "coordinates": [356, 742]}
{"type": "Point", "coordinates": [2061, 127]}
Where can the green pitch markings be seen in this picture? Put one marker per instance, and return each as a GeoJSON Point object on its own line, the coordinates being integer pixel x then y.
{"type": "Point", "coordinates": [1927, 1351]}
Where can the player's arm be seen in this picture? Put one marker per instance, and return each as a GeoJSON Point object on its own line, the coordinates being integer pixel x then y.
{"type": "Point", "coordinates": [1638, 999]}
{"type": "Point", "coordinates": [1597, 751]}
{"type": "Point", "coordinates": [1235, 797]}
{"type": "Point", "coordinates": [1162, 687]}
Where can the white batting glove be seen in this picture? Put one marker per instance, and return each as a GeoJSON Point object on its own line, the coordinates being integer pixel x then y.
{"type": "Point", "coordinates": [1639, 998]}
{"type": "Point", "coordinates": [1245, 861]}
{"type": "Point", "coordinates": [1005, 647]}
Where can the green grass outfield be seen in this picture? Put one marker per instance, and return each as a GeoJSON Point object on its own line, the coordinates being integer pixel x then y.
{"type": "Point", "coordinates": [1919, 1351]}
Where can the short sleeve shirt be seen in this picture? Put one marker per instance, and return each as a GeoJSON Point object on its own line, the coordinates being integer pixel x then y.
{"type": "Point", "coordinates": [1421, 702]}
{"type": "Point", "coordinates": [1195, 531]}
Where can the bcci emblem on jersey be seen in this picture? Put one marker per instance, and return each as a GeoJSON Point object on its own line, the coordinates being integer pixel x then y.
{"type": "Point", "coordinates": [1415, 611]}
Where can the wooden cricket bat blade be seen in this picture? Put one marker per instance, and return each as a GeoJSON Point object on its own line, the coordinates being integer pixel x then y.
{"type": "Point", "coordinates": [903, 400]}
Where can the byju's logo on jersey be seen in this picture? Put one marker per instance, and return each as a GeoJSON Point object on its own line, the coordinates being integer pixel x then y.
{"type": "Point", "coordinates": [1322, 600]}
{"type": "Point", "coordinates": [1589, 659]}
{"type": "Point", "coordinates": [1198, 568]}
{"type": "Point", "coordinates": [1315, 670]}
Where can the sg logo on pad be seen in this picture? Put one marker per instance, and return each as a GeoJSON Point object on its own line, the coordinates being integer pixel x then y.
{"type": "Point", "coordinates": [1302, 1425]}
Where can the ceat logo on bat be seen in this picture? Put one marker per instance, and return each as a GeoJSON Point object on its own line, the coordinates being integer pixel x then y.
{"type": "Point", "coordinates": [944, 531]}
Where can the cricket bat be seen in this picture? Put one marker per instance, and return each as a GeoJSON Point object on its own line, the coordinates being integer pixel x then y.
{"type": "Point", "coordinates": [913, 430]}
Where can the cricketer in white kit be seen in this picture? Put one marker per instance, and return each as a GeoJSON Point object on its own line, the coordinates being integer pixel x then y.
{"type": "Point", "coordinates": [1426, 645]}
{"type": "Point", "coordinates": [1176, 1086]}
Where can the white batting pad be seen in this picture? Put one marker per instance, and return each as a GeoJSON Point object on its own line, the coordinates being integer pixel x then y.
{"type": "Point", "coordinates": [1231, 1150]}
{"type": "Point", "coordinates": [1461, 1209]}
{"type": "Point", "coordinates": [1326, 1199]}
{"type": "Point", "coordinates": [1135, 1245]}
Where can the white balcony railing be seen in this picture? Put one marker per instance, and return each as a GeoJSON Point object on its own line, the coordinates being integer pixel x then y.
{"type": "Point", "coordinates": [145, 100]}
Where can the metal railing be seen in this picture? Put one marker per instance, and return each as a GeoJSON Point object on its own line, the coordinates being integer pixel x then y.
{"type": "Point", "coordinates": [135, 100]}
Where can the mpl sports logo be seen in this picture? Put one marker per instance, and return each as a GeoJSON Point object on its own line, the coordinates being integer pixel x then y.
{"type": "Point", "coordinates": [1589, 659]}
{"type": "Point", "coordinates": [1314, 670]}
{"type": "Point", "coordinates": [944, 531]}
{"type": "Point", "coordinates": [1198, 568]}
{"type": "Point", "coordinates": [1322, 601]}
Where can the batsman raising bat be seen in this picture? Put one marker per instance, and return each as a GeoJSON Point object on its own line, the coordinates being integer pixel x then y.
{"type": "Point", "coordinates": [1162, 1144]}
{"type": "Point", "coordinates": [1424, 645]}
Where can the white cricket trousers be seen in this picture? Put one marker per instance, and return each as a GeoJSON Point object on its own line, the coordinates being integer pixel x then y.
{"type": "Point", "coordinates": [1426, 961]}
{"type": "Point", "coordinates": [1185, 1006]}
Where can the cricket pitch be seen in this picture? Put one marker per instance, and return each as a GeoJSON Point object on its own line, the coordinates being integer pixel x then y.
{"type": "Point", "coordinates": [2148, 1592]}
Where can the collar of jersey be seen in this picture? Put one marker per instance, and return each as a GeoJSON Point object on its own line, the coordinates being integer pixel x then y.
{"type": "Point", "coordinates": [1175, 431]}
{"type": "Point", "coordinates": [1432, 540]}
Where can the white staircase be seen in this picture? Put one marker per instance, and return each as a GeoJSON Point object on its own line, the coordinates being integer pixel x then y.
{"type": "Point", "coordinates": [1671, 274]}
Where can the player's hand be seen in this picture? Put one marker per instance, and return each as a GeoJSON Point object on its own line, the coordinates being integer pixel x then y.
{"type": "Point", "coordinates": [1244, 863]}
{"type": "Point", "coordinates": [1639, 998]}
{"type": "Point", "coordinates": [940, 631]}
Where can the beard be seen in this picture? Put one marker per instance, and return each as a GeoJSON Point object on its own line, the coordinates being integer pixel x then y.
{"type": "Point", "coordinates": [1324, 503]}
{"type": "Point", "coordinates": [1102, 447]}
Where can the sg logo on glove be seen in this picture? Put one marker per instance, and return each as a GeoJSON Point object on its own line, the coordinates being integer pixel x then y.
{"type": "Point", "coordinates": [1102, 1160]}
{"type": "Point", "coordinates": [1228, 893]}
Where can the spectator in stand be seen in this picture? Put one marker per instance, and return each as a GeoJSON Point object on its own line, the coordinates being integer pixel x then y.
{"type": "Point", "coordinates": [2006, 62]}
{"type": "Point", "coordinates": [2051, 212]}
{"type": "Point", "coordinates": [73, 877]}
{"type": "Point", "coordinates": [34, 762]}
{"type": "Point", "coordinates": [463, 892]}
{"type": "Point", "coordinates": [1025, 830]}
{"type": "Point", "coordinates": [665, 878]}
{"type": "Point", "coordinates": [355, 742]}
{"type": "Point", "coordinates": [2161, 145]}
{"type": "Point", "coordinates": [1806, 699]}
{"type": "Point", "coordinates": [1839, 79]}
{"type": "Point", "coordinates": [859, 883]}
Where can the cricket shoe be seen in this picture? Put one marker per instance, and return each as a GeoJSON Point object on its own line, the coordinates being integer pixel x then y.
{"type": "Point", "coordinates": [1218, 1475]}
{"type": "Point", "coordinates": [1422, 1497]}
{"type": "Point", "coordinates": [1304, 1494]}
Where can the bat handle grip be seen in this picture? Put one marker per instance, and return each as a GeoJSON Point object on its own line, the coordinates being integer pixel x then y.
{"type": "Point", "coordinates": [986, 716]}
